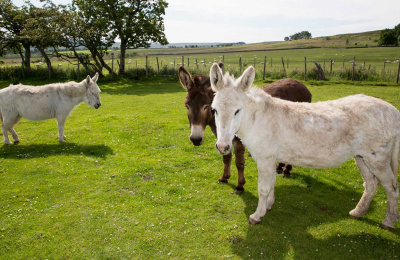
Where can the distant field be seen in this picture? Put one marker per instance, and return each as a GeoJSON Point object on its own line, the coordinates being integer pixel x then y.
{"type": "Point", "coordinates": [339, 49]}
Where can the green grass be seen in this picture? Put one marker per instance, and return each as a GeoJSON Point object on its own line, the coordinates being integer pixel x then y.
{"type": "Point", "coordinates": [129, 184]}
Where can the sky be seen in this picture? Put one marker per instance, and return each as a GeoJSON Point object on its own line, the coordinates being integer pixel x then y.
{"type": "Point", "coordinates": [253, 21]}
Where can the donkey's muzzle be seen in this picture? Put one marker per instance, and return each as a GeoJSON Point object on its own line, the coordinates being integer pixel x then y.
{"type": "Point", "coordinates": [196, 140]}
{"type": "Point", "coordinates": [223, 149]}
{"type": "Point", "coordinates": [97, 105]}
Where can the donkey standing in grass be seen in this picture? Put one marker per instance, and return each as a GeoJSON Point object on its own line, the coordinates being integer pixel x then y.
{"type": "Point", "coordinates": [198, 103]}
{"type": "Point", "coordinates": [317, 135]}
{"type": "Point", "coordinates": [38, 103]}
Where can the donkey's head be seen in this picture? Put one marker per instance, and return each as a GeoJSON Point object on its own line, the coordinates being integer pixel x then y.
{"type": "Point", "coordinates": [92, 96]}
{"type": "Point", "coordinates": [228, 104]}
{"type": "Point", "coordinates": [198, 103]}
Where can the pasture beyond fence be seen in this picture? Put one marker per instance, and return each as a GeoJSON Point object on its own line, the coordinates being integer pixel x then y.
{"type": "Point", "coordinates": [275, 66]}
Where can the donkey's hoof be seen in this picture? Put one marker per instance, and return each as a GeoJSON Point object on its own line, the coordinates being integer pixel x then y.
{"type": "Point", "coordinates": [16, 142]}
{"type": "Point", "coordinates": [279, 171]}
{"type": "Point", "coordinates": [222, 181]}
{"type": "Point", "coordinates": [7, 142]}
{"type": "Point", "coordinates": [239, 191]}
{"type": "Point", "coordinates": [285, 175]}
{"type": "Point", "coordinates": [386, 227]}
{"type": "Point", "coordinates": [254, 222]}
{"type": "Point", "coordinates": [354, 215]}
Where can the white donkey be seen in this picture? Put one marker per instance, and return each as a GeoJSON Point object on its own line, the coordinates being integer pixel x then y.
{"type": "Point", "coordinates": [317, 135]}
{"type": "Point", "coordinates": [44, 102]}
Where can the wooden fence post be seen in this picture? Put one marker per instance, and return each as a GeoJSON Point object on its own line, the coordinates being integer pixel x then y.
{"type": "Point", "coordinates": [223, 58]}
{"type": "Point", "coordinates": [197, 64]}
{"type": "Point", "coordinates": [183, 61]}
{"type": "Point", "coordinates": [331, 65]}
{"type": "Point", "coordinates": [158, 65]}
{"type": "Point", "coordinates": [305, 68]}
{"type": "Point", "coordinates": [255, 62]}
{"type": "Point", "coordinates": [283, 65]}
{"type": "Point", "coordinates": [240, 63]}
{"type": "Point", "coordinates": [398, 71]}
{"type": "Point", "coordinates": [265, 61]}
{"type": "Point", "coordinates": [354, 64]}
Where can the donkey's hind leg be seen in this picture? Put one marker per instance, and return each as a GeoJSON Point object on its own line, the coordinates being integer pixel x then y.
{"type": "Point", "coordinates": [12, 131]}
{"type": "Point", "coordinates": [389, 182]}
{"type": "Point", "coordinates": [371, 184]}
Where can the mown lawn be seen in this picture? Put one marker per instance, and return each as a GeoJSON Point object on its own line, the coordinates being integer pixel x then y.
{"type": "Point", "coordinates": [129, 184]}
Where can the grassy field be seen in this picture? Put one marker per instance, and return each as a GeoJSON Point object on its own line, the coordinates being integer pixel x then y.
{"type": "Point", "coordinates": [129, 184]}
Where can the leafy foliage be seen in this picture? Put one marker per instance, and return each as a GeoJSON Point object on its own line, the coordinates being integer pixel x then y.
{"type": "Point", "coordinates": [299, 36]}
{"type": "Point", "coordinates": [388, 37]}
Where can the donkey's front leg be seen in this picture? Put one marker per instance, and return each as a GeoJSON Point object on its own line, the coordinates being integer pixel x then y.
{"type": "Point", "coordinates": [266, 184]}
{"type": "Point", "coordinates": [60, 124]}
{"type": "Point", "coordinates": [239, 159]}
{"type": "Point", "coordinates": [227, 159]}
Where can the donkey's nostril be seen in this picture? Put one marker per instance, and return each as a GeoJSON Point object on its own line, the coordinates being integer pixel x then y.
{"type": "Point", "coordinates": [196, 140]}
{"type": "Point", "coordinates": [227, 148]}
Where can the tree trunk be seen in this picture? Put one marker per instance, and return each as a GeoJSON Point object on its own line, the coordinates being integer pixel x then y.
{"type": "Point", "coordinates": [27, 59]}
{"type": "Point", "coordinates": [47, 59]}
{"type": "Point", "coordinates": [122, 61]}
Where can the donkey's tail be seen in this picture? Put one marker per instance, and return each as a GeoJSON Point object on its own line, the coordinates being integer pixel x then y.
{"type": "Point", "coordinates": [394, 163]}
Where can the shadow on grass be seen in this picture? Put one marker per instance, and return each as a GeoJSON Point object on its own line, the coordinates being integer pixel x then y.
{"type": "Point", "coordinates": [312, 222]}
{"type": "Point", "coordinates": [46, 150]}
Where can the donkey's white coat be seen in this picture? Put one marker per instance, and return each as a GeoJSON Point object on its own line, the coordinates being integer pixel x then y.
{"type": "Point", "coordinates": [317, 135]}
{"type": "Point", "coordinates": [44, 102]}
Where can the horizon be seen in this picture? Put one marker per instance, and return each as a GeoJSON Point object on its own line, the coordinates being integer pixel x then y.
{"type": "Point", "coordinates": [227, 21]}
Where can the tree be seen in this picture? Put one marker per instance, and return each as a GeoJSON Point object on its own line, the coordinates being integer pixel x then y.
{"type": "Point", "coordinates": [136, 23]}
{"type": "Point", "coordinates": [12, 24]}
{"type": "Point", "coordinates": [388, 37]}
{"type": "Point", "coordinates": [397, 30]}
{"type": "Point", "coordinates": [78, 30]}
{"type": "Point", "coordinates": [299, 36]}
{"type": "Point", "coordinates": [41, 28]}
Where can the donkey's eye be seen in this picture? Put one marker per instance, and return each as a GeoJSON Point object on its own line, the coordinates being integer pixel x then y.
{"type": "Point", "coordinates": [206, 107]}
{"type": "Point", "coordinates": [216, 113]}
{"type": "Point", "coordinates": [187, 106]}
{"type": "Point", "coordinates": [237, 112]}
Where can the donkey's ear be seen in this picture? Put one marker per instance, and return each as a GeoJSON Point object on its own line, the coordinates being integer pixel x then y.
{"type": "Point", "coordinates": [88, 80]}
{"type": "Point", "coordinates": [246, 80]}
{"type": "Point", "coordinates": [216, 78]}
{"type": "Point", "coordinates": [185, 78]}
{"type": "Point", "coordinates": [96, 77]}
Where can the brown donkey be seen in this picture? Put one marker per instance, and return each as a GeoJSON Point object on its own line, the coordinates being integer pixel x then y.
{"type": "Point", "coordinates": [198, 103]}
